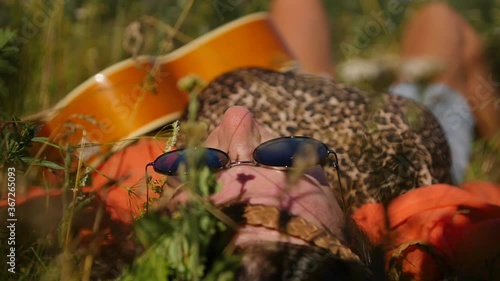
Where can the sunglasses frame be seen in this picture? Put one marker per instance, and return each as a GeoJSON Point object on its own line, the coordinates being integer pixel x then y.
{"type": "Point", "coordinates": [333, 163]}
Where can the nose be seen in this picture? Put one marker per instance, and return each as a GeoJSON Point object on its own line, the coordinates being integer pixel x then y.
{"type": "Point", "coordinates": [238, 133]}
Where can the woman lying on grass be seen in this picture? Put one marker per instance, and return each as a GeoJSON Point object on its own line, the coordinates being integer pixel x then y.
{"type": "Point", "coordinates": [359, 161]}
{"type": "Point", "coordinates": [252, 219]}
{"type": "Point", "coordinates": [263, 222]}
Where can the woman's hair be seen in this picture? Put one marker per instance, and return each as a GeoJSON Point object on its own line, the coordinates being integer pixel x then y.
{"type": "Point", "coordinates": [285, 261]}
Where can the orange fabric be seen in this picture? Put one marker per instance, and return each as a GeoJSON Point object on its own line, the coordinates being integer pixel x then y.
{"type": "Point", "coordinates": [125, 199]}
{"type": "Point", "coordinates": [460, 223]}
{"type": "Point", "coordinates": [120, 182]}
{"type": "Point", "coordinates": [487, 191]}
{"type": "Point", "coordinates": [31, 193]}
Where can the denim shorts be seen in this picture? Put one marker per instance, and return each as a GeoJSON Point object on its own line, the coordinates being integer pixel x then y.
{"type": "Point", "coordinates": [453, 114]}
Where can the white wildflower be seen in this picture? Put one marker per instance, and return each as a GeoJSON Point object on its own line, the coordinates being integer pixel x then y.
{"type": "Point", "coordinates": [358, 71]}
{"type": "Point", "coordinates": [421, 70]}
{"type": "Point", "coordinates": [172, 140]}
{"type": "Point", "coordinates": [375, 74]}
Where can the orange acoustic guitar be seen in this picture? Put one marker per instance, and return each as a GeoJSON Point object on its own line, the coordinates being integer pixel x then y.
{"type": "Point", "coordinates": [136, 96]}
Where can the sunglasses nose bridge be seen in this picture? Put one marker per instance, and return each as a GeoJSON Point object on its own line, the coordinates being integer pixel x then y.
{"type": "Point", "coordinates": [238, 163]}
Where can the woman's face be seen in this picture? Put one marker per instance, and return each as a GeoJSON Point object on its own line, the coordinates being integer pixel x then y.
{"type": "Point", "coordinates": [311, 198]}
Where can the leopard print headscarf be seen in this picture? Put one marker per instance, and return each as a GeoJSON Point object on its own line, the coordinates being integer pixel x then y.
{"type": "Point", "coordinates": [386, 144]}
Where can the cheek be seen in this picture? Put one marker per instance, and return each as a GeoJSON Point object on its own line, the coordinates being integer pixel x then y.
{"type": "Point", "coordinates": [212, 139]}
{"type": "Point", "coordinates": [173, 193]}
{"type": "Point", "coordinates": [267, 133]}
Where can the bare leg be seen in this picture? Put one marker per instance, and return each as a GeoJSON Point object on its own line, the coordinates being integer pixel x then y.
{"type": "Point", "coordinates": [304, 27]}
{"type": "Point", "coordinates": [481, 93]}
{"type": "Point", "coordinates": [438, 31]}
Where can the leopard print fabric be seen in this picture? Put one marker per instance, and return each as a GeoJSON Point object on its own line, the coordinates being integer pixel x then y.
{"type": "Point", "coordinates": [382, 152]}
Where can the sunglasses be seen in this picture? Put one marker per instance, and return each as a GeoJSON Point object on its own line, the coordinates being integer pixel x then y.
{"type": "Point", "coordinates": [280, 153]}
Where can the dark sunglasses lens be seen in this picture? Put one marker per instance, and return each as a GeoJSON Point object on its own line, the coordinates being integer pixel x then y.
{"type": "Point", "coordinates": [170, 162]}
{"type": "Point", "coordinates": [282, 151]}
{"type": "Point", "coordinates": [214, 159]}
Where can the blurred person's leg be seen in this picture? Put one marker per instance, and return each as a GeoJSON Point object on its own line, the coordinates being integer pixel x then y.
{"type": "Point", "coordinates": [459, 97]}
{"type": "Point", "coordinates": [481, 91]}
{"type": "Point", "coordinates": [304, 27]}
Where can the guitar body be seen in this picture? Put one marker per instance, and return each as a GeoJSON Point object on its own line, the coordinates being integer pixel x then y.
{"type": "Point", "coordinates": [138, 95]}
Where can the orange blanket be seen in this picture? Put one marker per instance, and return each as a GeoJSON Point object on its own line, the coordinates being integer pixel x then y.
{"type": "Point", "coordinates": [461, 224]}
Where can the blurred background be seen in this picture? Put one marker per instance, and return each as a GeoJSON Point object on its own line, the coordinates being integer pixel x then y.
{"type": "Point", "coordinates": [49, 47]}
{"type": "Point", "coordinates": [57, 44]}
